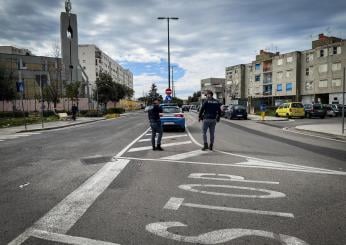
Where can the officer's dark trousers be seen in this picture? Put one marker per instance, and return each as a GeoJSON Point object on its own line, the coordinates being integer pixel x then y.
{"type": "Point", "coordinates": [156, 127]}
{"type": "Point", "coordinates": [208, 124]}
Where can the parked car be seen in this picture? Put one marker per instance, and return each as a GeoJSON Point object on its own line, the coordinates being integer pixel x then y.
{"type": "Point", "coordinates": [223, 110]}
{"type": "Point", "coordinates": [337, 110]}
{"type": "Point", "coordinates": [314, 110]}
{"type": "Point", "coordinates": [236, 111]}
{"type": "Point", "coordinates": [329, 110]}
{"type": "Point", "coordinates": [292, 109]}
{"type": "Point", "coordinates": [185, 108]}
{"type": "Point", "coordinates": [172, 117]}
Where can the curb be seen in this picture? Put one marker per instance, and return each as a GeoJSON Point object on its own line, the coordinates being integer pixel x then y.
{"type": "Point", "coordinates": [331, 136]}
{"type": "Point", "coordinates": [56, 127]}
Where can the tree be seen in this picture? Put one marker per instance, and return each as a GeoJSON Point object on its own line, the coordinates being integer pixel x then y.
{"type": "Point", "coordinates": [7, 87]}
{"type": "Point", "coordinates": [153, 93]}
{"type": "Point", "coordinates": [72, 90]}
{"type": "Point", "coordinates": [108, 90]}
{"type": "Point", "coordinates": [194, 98]}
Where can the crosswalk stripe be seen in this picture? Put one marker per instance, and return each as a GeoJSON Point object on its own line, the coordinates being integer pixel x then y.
{"type": "Point", "coordinates": [185, 155]}
{"type": "Point", "coordinates": [144, 148]}
{"type": "Point", "coordinates": [165, 137]}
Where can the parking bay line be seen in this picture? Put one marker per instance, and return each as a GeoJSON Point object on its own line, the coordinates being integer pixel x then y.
{"type": "Point", "coordinates": [185, 155]}
{"type": "Point", "coordinates": [165, 137]}
{"type": "Point", "coordinates": [174, 203]}
{"type": "Point", "coordinates": [66, 213]}
{"type": "Point", "coordinates": [144, 148]}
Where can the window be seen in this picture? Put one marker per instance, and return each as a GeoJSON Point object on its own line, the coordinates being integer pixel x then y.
{"type": "Point", "coordinates": [336, 83]}
{"type": "Point", "coordinates": [289, 73]}
{"type": "Point", "coordinates": [289, 59]}
{"type": "Point", "coordinates": [308, 85]}
{"type": "Point", "coordinates": [288, 86]}
{"type": "Point", "coordinates": [280, 61]}
{"type": "Point", "coordinates": [279, 87]}
{"type": "Point", "coordinates": [323, 84]}
{"type": "Point", "coordinates": [258, 78]}
{"type": "Point", "coordinates": [280, 75]}
{"type": "Point", "coordinates": [322, 53]}
{"type": "Point", "coordinates": [336, 67]}
{"type": "Point", "coordinates": [323, 68]}
{"type": "Point", "coordinates": [307, 71]}
{"type": "Point", "coordinates": [257, 66]}
{"type": "Point", "coordinates": [309, 57]}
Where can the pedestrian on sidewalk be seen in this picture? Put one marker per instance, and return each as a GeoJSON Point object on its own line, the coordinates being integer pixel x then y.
{"type": "Point", "coordinates": [74, 110]}
{"type": "Point", "coordinates": [155, 124]}
{"type": "Point", "coordinates": [210, 114]}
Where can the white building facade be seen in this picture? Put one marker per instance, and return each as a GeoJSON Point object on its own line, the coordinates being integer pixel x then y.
{"type": "Point", "coordinates": [93, 61]}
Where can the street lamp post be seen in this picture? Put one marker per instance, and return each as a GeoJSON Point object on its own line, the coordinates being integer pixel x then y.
{"type": "Point", "coordinates": [173, 88]}
{"type": "Point", "coordinates": [168, 40]}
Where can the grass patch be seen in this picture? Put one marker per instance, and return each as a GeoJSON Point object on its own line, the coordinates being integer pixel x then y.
{"type": "Point", "coordinates": [32, 119]}
{"type": "Point", "coordinates": [112, 115]}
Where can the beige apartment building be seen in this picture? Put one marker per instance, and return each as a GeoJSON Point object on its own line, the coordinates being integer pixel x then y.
{"type": "Point", "coordinates": [313, 75]}
{"type": "Point", "coordinates": [216, 85]}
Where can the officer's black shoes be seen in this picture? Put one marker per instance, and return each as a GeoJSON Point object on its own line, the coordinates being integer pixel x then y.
{"type": "Point", "coordinates": [154, 148]}
{"type": "Point", "coordinates": [205, 147]}
{"type": "Point", "coordinates": [158, 148]}
{"type": "Point", "coordinates": [211, 147]}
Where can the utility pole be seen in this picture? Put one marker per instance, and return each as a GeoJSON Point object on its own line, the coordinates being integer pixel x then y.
{"type": "Point", "coordinates": [168, 41]}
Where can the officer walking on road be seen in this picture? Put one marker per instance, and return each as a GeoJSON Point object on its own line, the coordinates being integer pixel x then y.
{"type": "Point", "coordinates": [155, 124]}
{"type": "Point", "coordinates": [209, 113]}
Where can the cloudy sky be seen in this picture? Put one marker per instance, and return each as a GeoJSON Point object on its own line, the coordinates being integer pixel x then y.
{"type": "Point", "coordinates": [210, 34]}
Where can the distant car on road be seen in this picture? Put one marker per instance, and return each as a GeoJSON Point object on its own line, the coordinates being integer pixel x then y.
{"type": "Point", "coordinates": [186, 108]}
{"type": "Point", "coordinates": [314, 110]}
{"type": "Point", "coordinates": [223, 110]}
{"type": "Point", "coordinates": [172, 117]}
{"type": "Point", "coordinates": [292, 109]}
{"type": "Point", "coordinates": [236, 111]}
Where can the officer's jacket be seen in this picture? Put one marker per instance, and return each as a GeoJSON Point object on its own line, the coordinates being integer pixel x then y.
{"type": "Point", "coordinates": [211, 109]}
{"type": "Point", "coordinates": [154, 113]}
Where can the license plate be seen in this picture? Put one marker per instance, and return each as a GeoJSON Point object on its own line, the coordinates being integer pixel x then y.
{"type": "Point", "coordinates": [239, 115]}
{"type": "Point", "coordinates": [168, 123]}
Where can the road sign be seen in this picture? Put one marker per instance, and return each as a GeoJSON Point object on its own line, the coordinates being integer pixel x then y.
{"type": "Point", "coordinates": [20, 86]}
{"type": "Point", "coordinates": [168, 98]}
{"type": "Point", "coordinates": [168, 91]}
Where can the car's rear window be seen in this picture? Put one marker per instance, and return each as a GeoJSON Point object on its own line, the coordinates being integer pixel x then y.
{"type": "Point", "coordinates": [317, 106]}
{"type": "Point", "coordinates": [296, 105]}
{"type": "Point", "coordinates": [170, 109]}
{"type": "Point", "coordinates": [307, 106]}
{"type": "Point", "coordinates": [239, 107]}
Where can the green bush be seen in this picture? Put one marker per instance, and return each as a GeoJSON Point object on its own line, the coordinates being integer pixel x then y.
{"type": "Point", "coordinates": [48, 113]}
{"type": "Point", "coordinates": [115, 110]}
{"type": "Point", "coordinates": [93, 113]}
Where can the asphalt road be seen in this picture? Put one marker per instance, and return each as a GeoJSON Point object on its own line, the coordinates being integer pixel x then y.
{"type": "Point", "coordinates": [102, 184]}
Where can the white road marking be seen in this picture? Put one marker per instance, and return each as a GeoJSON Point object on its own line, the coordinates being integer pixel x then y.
{"type": "Point", "coordinates": [66, 239]}
{"type": "Point", "coordinates": [131, 144]}
{"type": "Point", "coordinates": [148, 134]}
{"type": "Point", "coordinates": [144, 148]}
{"type": "Point", "coordinates": [240, 165]}
{"type": "Point", "coordinates": [271, 193]}
{"type": "Point", "coordinates": [165, 137]}
{"type": "Point", "coordinates": [175, 203]}
{"type": "Point", "coordinates": [185, 155]}
{"type": "Point", "coordinates": [218, 236]}
{"type": "Point", "coordinates": [229, 177]}
{"type": "Point", "coordinates": [7, 137]}
{"type": "Point", "coordinates": [24, 185]}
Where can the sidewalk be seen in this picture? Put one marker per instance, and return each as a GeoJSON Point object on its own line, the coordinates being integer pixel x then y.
{"type": "Point", "coordinates": [331, 129]}
{"type": "Point", "coordinates": [50, 125]}
{"type": "Point", "coordinates": [266, 118]}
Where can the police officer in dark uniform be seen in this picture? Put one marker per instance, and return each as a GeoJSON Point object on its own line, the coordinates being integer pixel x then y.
{"type": "Point", "coordinates": [155, 124]}
{"type": "Point", "coordinates": [210, 113]}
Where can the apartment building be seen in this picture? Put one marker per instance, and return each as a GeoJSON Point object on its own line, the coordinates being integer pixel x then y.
{"type": "Point", "coordinates": [216, 85]}
{"type": "Point", "coordinates": [93, 60]}
{"type": "Point", "coordinates": [234, 83]}
{"type": "Point", "coordinates": [313, 75]}
{"type": "Point", "coordinates": [33, 71]}
{"type": "Point", "coordinates": [322, 68]}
